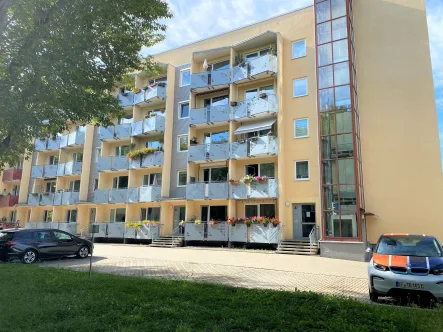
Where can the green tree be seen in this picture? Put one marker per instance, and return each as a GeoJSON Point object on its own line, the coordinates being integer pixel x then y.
{"type": "Point", "coordinates": [61, 59]}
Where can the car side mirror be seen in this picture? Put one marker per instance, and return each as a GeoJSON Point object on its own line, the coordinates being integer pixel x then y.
{"type": "Point", "coordinates": [369, 250]}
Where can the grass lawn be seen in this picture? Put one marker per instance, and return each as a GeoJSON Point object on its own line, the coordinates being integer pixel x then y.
{"type": "Point", "coordinates": [44, 299]}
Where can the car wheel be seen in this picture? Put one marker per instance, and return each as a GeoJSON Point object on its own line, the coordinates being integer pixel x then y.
{"type": "Point", "coordinates": [373, 296]}
{"type": "Point", "coordinates": [83, 252]}
{"type": "Point", "coordinates": [29, 256]}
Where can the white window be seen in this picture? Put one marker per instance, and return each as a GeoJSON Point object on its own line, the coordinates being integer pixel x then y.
{"type": "Point", "coordinates": [71, 216]}
{"type": "Point", "coordinates": [154, 179]}
{"type": "Point", "coordinates": [301, 170]}
{"type": "Point", "coordinates": [299, 49]}
{"type": "Point", "coordinates": [162, 79]}
{"type": "Point", "coordinates": [118, 215]}
{"type": "Point", "coordinates": [77, 157]}
{"type": "Point", "coordinates": [256, 54]}
{"type": "Point", "coordinates": [121, 151]}
{"type": "Point", "coordinates": [300, 87]}
{"type": "Point", "coordinates": [265, 169]}
{"type": "Point", "coordinates": [181, 178]}
{"type": "Point", "coordinates": [185, 77]}
{"type": "Point", "coordinates": [51, 186]}
{"type": "Point", "coordinates": [183, 109]}
{"type": "Point", "coordinates": [53, 160]}
{"type": "Point", "coordinates": [182, 143]}
{"type": "Point", "coordinates": [74, 185]}
{"type": "Point", "coordinates": [47, 217]}
{"type": "Point", "coordinates": [120, 182]}
{"type": "Point", "coordinates": [253, 93]}
{"type": "Point", "coordinates": [219, 65]}
{"type": "Point", "coordinates": [301, 128]}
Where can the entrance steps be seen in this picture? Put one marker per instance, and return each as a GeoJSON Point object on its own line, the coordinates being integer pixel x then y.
{"type": "Point", "coordinates": [297, 247]}
{"type": "Point", "coordinates": [168, 242]}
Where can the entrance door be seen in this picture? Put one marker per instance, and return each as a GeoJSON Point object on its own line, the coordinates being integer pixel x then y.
{"type": "Point", "coordinates": [303, 218]}
{"type": "Point", "coordinates": [179, 215]}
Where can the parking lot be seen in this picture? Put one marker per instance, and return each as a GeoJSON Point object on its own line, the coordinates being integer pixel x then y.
{"type": "Point", "coordinates": [240, 268]}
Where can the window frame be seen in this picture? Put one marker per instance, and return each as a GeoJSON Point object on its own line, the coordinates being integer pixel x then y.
{"type": "Point", "coordinates": [258, 167]}
{"type": "Point", "coordinates": [295, 128]}
{"type": "Point", "coordinates": [180, 103]}
{"type": "Point", "coordinates": [293, 87]}
{"type": "Point", "coordinates": [181, 76]}
{"type": "Point", "coordinates": [178, 142]}
{"type": "Point", "coordinates": [295, 170]}
{"type": "Point", "coordinates": [178, 178]}
{"type": "Point", "coordinates": [292, 49]}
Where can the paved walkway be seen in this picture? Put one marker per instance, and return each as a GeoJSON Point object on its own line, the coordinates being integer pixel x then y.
{"type": "Point", "coordinates": [241, 268]}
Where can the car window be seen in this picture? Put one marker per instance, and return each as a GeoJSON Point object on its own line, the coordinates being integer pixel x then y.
{"type": "Point", "coordinates": [6, 236]}
{"type": "Point", "coordinates": [62, 236]}
{"type": "Point", "coordinates": [42, 235]}
{"type": "Point", "coordinates": [408, 245]}
{"type": "Point", "coordinates": [26, 235]}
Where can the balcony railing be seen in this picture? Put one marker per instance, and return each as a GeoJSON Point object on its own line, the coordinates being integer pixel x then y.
{"type": "Point", "coordinates": [264, 66]}
{"type": "Point", "coordinates": [66, 198]}
{"type": "Point", "coordinates": [209, 115]}
{"type": "Point", "coordinates": [151, 95]}
{"type": "Point", "coordinates": [44, 171]}
{"type": "Point", "coordinates": [41, 199]}
{"type": "Point", "coordinates": [123, 130]}
{"type": "Point", "coordinates": [7, 200]}
{"type": "Point", "coordinates": [208, 152]}
{"type": "Point", "coordinates": [152, 125]}
{"type": "Point", "coordinates": [47, 144]}
{"type": "Point", "coordinates": [212, 190]}
{"type": "Point", "coordinates": [111, 163]}
{"type": "Point", "coordinates": [73, 139]}
{"type": "Point", "coordinates": [69, 168]}
{"type": "Point", "coordinates": [268, 189]}
{"type": "Point", "coordinates": [254, 147]}
{"type": "Point", "coordinates": [70, 227]}
{"type": "Point", "coordinates": [208, 80]}
{"type": "Point", "coordinates": [128, 195]}
{"type": "Point", "coordinates": [12, 174]}
{"type": "Point", "coordinates": [151, 160]}
{"type": "Point", "coordinates": [257, 107]}
{"type": "Point", "coordinates": [126, 99]}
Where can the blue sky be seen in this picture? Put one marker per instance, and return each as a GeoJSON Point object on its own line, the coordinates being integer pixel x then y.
{"type": "Point", "coordinates": [197, 19]}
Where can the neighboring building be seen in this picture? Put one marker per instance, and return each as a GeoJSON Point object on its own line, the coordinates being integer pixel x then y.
{"type": "Point", "coordinates": [334, 104]}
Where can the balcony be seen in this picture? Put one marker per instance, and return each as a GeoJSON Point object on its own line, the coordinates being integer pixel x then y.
{"type": "Point", "coordinates": [212, 190]}
{"type": "Point", "coordinates": [151, 160]}
{"type": "Point", "coordinates": [261, 67]}
{"type": "Point", "coordinates": [255, 108]}
{"type": "Point", "coordinates": [44, 171]}
{"type": "Point", "coordinates": [127, 195]}
{"type": "Point", "coordinates": [210, 80]}
{"type": "Point", "coordinates": [70, 227]}
{"type": "Point", "coordinates": [8, 200]}
{"type": "Point", "coordinates": [203, 117]}
{"type": "Point", "coordinates": [73, 139]}
{"type": "Point", "coordinates": [268, 189]}
{"type": "Point", "coordinates": [120, 131]}
{"type": "Point", "coordinates": [208, 152]}
{"type": "Point", "coordinates": [126, 99]}
{"type": "Point", "coordinates": [151, 95]}
{"type": "Point", "coordinates": [66, 198]}
{"type": "Point", "coordinates": [43, 199]}
{"type": "Point", "coordinates": [47, 144]}
{"type": "Point", "coordinates": [149, 126]}
{"type": "Point", "coordinates": [70, 168]}
{"type": "Point", "coordinates": [111, 163]}
{"type": "Point", "coordinates": [12, 174]}
{"type": "Point", "coordinates": [204, 232]}
{"type": "Point", "coordinates": [254, 147]}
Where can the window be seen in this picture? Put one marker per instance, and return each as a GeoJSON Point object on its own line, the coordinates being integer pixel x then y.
{"type": "Point", "coordinates": [47, 215]}
{"type": "Point", "coordinates": [118, 215]}
{"type": "Point", "coordinates": [154, 179]}
{"type": "Point", "coordinates": [62, 236]}
{"type": "Point", "coordinates": [220, 137]}
{"type": "Point", "coordinates": [16, 189]}
{"type": "Point", "coordinates": [44, 235]}
{"type": "Point", "coordinates": [95, 184]}
{"type": "Point", "coordinates": [266, 169]}
{"type": "Point", "coordinates": [153, 144]}
{"type": "Point", "coordinates": [181, 178]}
{"type": "Point", "coordinates": [299, 49]}
{"type": "Point", "coordinates": [302, 170]}
{"type": "Point", "coordinates": [185, 77]}
{"type": "Point", "coordinates": [219, 65]}
{"type": "Point", "coordinates": [126, 119]}
{"type": "Point", "coordinates": [300, 87]}
{"type": "Point", "coordinates": [262, 210]}
{"type": "Point", "coordinates": [257, 54]}
{"type": "Point", "coordinates": [150, 214]}
{"type": "Point", "coordinates": [217, 101]}
{"type": "Point", "coordinates": [182, 143]}
{"type": "Point", "coordinates": [50, 187]}
{"type": "Point", "coordinates": [301, 128]}
{"type": "Point", "coordinates": [80, 129]}
{"type": "Point", "coordinates": [77, 157]}
{"type": "Point", "coordinates": [183, 110]}
{"type": "Point", "coordinates": [253, 93]}
{"type": "Point", "coordinates": [122, 151]}
{"type": "Point", "coordinates": [158, 80]}
{"type": "Point", "coordinates": [71, 216]}
{"type": "Point", "coordinates": [120, 182]}
{"type": "Point", "coordinates": [215, 174]}
{"type": "Point", "coordinates": [53, 160]}
{"type": "Point", "coordinates": [74, 185]}
{"type": "Point", "coordinates": [99, 153]}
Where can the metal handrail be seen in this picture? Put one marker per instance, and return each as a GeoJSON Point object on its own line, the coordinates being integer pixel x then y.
{"type": "Point", "coordinates": [281, 235]}
{"type": "Point", "coordinates": [312, 237]}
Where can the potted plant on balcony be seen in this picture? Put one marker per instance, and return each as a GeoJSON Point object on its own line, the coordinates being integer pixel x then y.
{"type": "Point", "coordinates": [234, 182]}
{"type": "Point", "coordinates": [198, 222]}
{"type": "Point", "coordinates": [247, 221]}
{"type": "Point", "coordinates": [265, 221]}
{"type": "Point", "coordinates": [162, 84]}
{"type": "Point", "coordinates": [262, 94]}
{"type": "Point", "coordinates": [193, 141]}
{"type": "Point", "coordinates": [247, 179]}
{"type": "Point", "coordinates": [232, 221]}
{"type": "Point", "coordinates": [234, 103]}
{"type": "Point", "coordinates": [275, 222]}
{"type": "Point", "coordinates": [152, 85]}
{"type": "Point", "coordinates": [213, 222]}
{"type": "Point", "coordinates": [261, 179]}
{"type": "Point", "coordinates": [136, 90]}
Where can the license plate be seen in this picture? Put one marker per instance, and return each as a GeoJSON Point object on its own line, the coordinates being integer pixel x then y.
{"type": "Point", "coordinates": [409, 285]}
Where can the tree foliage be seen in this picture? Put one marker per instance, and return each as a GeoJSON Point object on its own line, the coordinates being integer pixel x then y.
{"type": "Point", "coordinates": [61, 59]}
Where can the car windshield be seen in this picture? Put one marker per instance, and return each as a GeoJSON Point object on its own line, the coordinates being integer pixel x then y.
{"type": "Point", "coordinates": [409, 245]}
{"type": "Point", "coordinates": [6, 236]}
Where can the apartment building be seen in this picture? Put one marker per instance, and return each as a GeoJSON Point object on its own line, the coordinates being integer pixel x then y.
{"type": "Point", "coordinates": [323, 118]}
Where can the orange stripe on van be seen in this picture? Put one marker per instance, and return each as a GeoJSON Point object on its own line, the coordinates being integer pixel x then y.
{"type": "Point", "coordinates": [381, 259]}
{"type": "Point", "coordinates": [400, 261]}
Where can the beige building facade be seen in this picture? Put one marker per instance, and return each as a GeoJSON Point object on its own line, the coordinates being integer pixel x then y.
{"type": "Point", "coordinates": [329, 108]}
